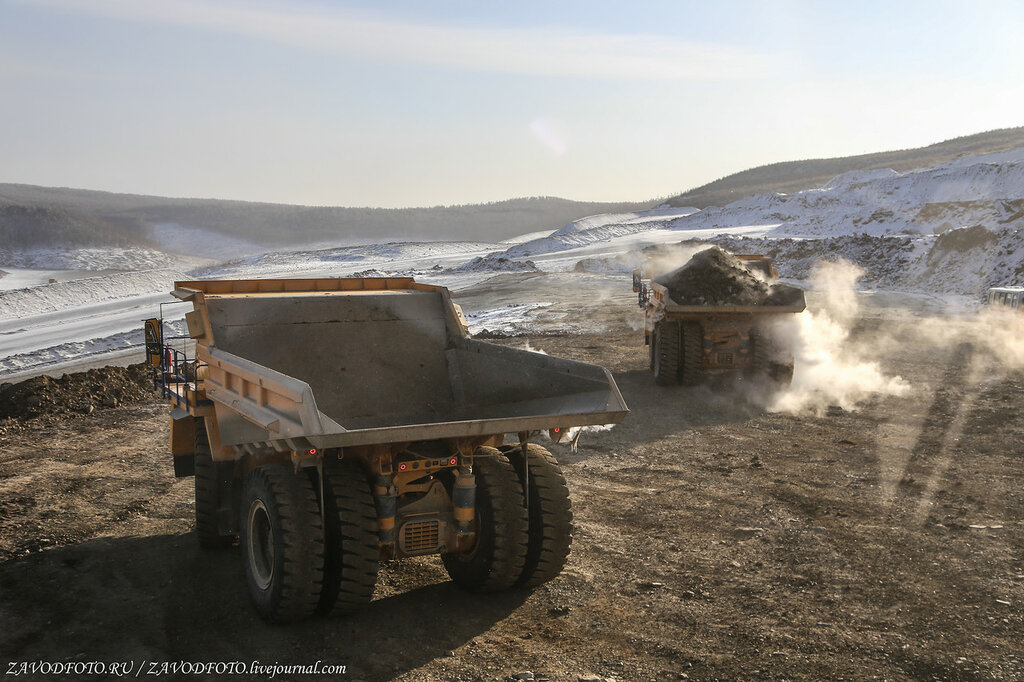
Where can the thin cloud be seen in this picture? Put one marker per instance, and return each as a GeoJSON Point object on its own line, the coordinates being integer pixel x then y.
{"type": "Point", "coordinates": [538, 52]}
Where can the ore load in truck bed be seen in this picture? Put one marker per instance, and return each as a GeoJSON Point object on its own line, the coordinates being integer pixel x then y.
{"type": "Point", "coordinates": [714, 277]}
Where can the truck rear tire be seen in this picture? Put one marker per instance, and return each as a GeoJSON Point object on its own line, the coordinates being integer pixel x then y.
{"type": "Point", "coordinates": [691, 340]}
{"type": "Point", "coordinates": [550, 535]}
{"type": "Point", "coordinates": [496, 559]}
{"type": "Point", "coordinates": [207, 492]}
{"type": "Point", "coordinates": [666, 353]}
{"type": "Point", "coordinates": [282, 543]}
{"type": "Point", "coordinates": [352, 553]}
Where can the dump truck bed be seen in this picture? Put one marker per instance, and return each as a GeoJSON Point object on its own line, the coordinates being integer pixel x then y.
{"type": "Point", "coordinates": [345, 367]}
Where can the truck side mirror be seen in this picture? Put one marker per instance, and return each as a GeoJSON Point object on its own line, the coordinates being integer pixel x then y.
{"type": "Point", "coordinates": [154, 341]}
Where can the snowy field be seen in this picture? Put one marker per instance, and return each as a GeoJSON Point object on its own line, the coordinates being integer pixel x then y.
{"type": "Point", "coordinates": [941, 234]}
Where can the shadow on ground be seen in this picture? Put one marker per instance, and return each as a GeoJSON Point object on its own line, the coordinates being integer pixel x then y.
{"type": "Point", "coordinates": [164, 599]}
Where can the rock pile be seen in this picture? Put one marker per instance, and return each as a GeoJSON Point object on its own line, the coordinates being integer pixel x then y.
{"type": "Point", "coordinates": [714, 277]}
{"type": "Point", "coordinates": [80, 393]}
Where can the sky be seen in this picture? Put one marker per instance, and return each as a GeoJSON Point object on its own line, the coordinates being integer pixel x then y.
{"type": "Point", "coordinates": [401, 103]}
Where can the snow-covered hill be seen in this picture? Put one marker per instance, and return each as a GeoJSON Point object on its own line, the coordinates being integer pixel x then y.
{"type": "Point", "coordinates": [981, 190]}
{"type": "Point", "coordinates": [955, 228]}
{"type": "Point", "coordinates": [963, 261]}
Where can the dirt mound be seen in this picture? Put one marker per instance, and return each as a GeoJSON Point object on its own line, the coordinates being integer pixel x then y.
{"type": "Point", "coordinates": [80, 393]}
{"type": "Point", "coordinates": [494, 263]}
{"type": "Point", "coordinates": [715, 277]}
{"type": "Point", "coordinates": [962, 240]}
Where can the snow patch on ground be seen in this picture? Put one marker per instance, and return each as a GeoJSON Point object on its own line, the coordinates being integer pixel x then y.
{"type": "Point", "coordinates": [175, 238]}
{"type": "Point", "coordinates": [107, 258]}
{"type": "Point", "coordinates": [21, 278]}
{"type": "Point", "coordinates": [82, 350]}
{"type": "Point", "coordinates": [505, 320]}
{"type": "Point", "coordinates": [70, 351]}
{"type": "Point", "coordinates": [46, 298]}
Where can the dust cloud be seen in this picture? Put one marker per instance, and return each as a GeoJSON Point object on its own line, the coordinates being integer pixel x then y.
{"type": "Point", "coordinates": [996, 333]}
{"type": "Point", "coordinates": [526, 346]}
{"type": "Point", "coordinates": [830, 370]}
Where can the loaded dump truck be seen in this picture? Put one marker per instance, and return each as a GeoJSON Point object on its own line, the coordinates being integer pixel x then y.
{"type": "Point", "coordinates": [332, 423]}
{"type": "Point", "coordinates": [715, 315]}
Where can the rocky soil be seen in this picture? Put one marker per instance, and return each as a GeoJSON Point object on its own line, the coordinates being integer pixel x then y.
{"type": "Point", "coordinates": [714, 540]}
{"type": "Point", "coordinates": [51, 400]}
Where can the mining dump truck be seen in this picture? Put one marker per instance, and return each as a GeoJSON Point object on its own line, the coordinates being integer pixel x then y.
{"type": "Point", "coordinates": [717, 315]}
{"type": "Point", "coordinates": [332, 423]}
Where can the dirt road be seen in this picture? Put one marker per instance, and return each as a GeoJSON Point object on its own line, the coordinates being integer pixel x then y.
{"type": "Point", "coordinates": [713, 541]}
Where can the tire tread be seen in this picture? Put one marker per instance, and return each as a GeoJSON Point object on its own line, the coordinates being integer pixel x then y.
{"type": "Point", "coordinates": [499, 500]}
{"type": "Point", "coordinates": [551, 529]}
{"type": "Point", "coordinates": [351, 545]}
{"type": "Point", "coordinates": [207, 492]}
{"type": "Point", "coordinates": [293, 504]}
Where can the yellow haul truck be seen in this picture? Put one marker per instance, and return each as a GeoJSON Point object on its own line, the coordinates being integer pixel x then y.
{"type": "Point", "coordinates": [331, 423]}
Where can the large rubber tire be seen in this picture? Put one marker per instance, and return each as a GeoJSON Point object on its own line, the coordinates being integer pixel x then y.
{"type": "Point", "coordinates": [550, 536]}
{"type": "Point", "coordinates": [282, 543]}
{"type": "Point", "coordinates": [350, 542]}
{"type": "Point", "coordinates": [207, 493]}
{"type": "Point", "coordinates": [666, 353]}
{"type": "Point", "coordinates": [496, 559]}
{"type": "Point", "coordinates": [691, 335]}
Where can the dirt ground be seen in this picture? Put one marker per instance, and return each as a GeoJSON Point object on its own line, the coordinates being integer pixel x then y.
{"type": "Point", "coordinates": [714, 540]}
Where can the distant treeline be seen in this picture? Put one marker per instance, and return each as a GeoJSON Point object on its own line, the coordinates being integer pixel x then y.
{"type": "Point", "coordinates": [26, 227]}
{"type": "Point", "coordinates": [283, 224]}
{"type": "Point", "coordinates": [32, 216]}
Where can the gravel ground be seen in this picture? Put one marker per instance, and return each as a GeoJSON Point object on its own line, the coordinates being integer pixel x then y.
{"type": "Point", "coordinates": [714, 540]}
